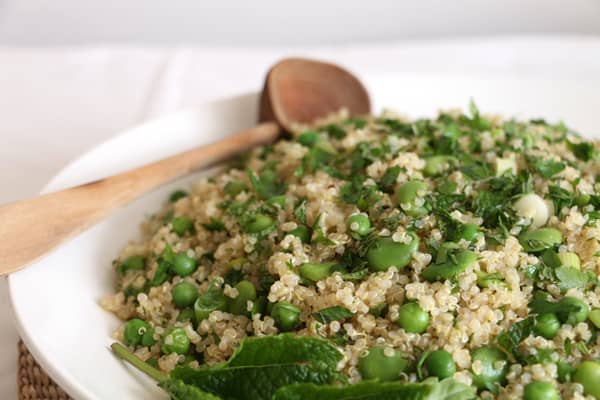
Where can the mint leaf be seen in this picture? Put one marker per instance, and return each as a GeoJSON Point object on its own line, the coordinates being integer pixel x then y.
{"type": "Point", "coordinates": [181, 391]}
{"type": "Point", "coordinates": [335, 313]}
{"type": "Point", "coordinates": [448, 389]}
{"type": "Point", "coordinates": [253, 382]}
{"type": "Point", "coordinates": [284, 348]}
{"type": "Point", "coordinates": [359, 391]}
{"type": "Point", "coordinates": [261, 365]}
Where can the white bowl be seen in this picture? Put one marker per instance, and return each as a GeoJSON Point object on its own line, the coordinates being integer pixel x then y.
{"type": "Point", "coordinates": [56, 300]}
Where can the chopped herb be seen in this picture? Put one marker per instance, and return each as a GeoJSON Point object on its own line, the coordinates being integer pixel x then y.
{"type": "Point", "coordinates": [300, 211]}
{"type": "Point", "coordinates": [356, 275]}
{"type": "Point", "coordinates": [509, 340]}
{"type": "Point", "coordinates": [176, 195]}
{"type": "Point", "coordinates": [308, 138]}
{"type": "Point", "coordinates": [233, 276]}
{"type": "Point", "coordinates": [477, 170]}
{"type": "Point", "coordinates": [335, 131]}
{"type": "Point", "coordinates": [334, 313]}
{"type": "Point", "coordinates": [267, 184]}
{"type": "Point", "coordinates": [265, 279]}
{"type": "Point", "coordinates": [585, 151]}
{"type": "Point", "coordinates": [356, 192]}
{"type": "Point", "coordinates": [319, 234]}
{"type": "Point", "coordinates": [388, 180]}
{"type": "Point", "coordinates": [560, 197]}
{"type": "Point", "coordinates": [214, 225]}
{"type": "Point", "coordinates": [548, 168]}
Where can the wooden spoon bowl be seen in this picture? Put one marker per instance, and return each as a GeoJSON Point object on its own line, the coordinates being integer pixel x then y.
{"type": "Point", "coordinates": [298, 90]}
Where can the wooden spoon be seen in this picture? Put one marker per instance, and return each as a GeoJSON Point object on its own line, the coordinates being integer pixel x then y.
{"type": "Point", "coordinates": [296, 90]}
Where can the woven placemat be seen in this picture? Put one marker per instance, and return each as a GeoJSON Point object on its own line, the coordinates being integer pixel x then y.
{"type": "Point", "coordinates": [33, 382]}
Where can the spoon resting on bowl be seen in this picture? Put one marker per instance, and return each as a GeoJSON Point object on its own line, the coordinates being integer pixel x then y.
{"type": "Point", "coordinates": [295, 91]}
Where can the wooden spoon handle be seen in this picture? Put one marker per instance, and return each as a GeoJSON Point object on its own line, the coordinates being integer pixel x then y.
{"type": "Point", "coordinates": [31, 228]}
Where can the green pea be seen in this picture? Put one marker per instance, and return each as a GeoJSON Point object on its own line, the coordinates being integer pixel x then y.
{"type": "Point", "coordinates": [412, 318]}
{"type": "Point", "coordinates": [540, 391]}
{"type": "Point", "coordinates": [176, 195]}
{"type": "Point", "coordinates": [183, 265]}
{"type": "Point", "coordinates": [259, 223]}
{"type": "Point", "coordinates": [246, 292]}
{"type": "Point", "coordinates": [135, 331]}
{"type": "Point", "coordinates": [382, 363]}
{"type": "Point", "coordinates": [302, 233]}
{"type": "Point", "coordinates": [436, 165]}
{"type": "Point", "coordinates": [469, 232]}
{"type": "Point", "coordinates": [493, 367]}
{"type": "Point", "coordinates": [315, 272]}
{"type": "Point", "coordinates": [386, 253]}
{"type": "Point", "coordinates": [440, 364]}
{"type": "Point", "coordinates": [277, 201]}
{"type": "Point", "coordinates": [568, 259]}
{"type": "Point", "coordinates": [286, 315]}
{"type": "Point", "coordinates": [572, 310]}
{"type": "Point", "coordinates": [489, 280]}
{"type": "Point", "coordinates": [184, 294]}
{"type": "Point", "coordinates": [450, 268]}
{"type": "Point", "coordinates": [540, 239]}
{"type": "Point", "coordinates": [406, 196]}
{"type": "Point", "coordinates": [212, 300]}
{"type": "Point", "coordinates": [233, 188]}
{"type": "Point", "coordinates": [187, 314]}
{"type": "Point", "coordinates": [546, 325]}
{"type": "Point", "coordinates": [182, 225]}
{"type": "Point", "coordinates": [594, 317]}
{"type": "Point", "coordinates": [359, 224]}
{"type": "Point", "coordinates": [133, 263]}
{"type": "Point", "coordinates": [175, 341]}
{"type": "Point", "coordinates": [582, 200]}
{"type": "Point", "coordinates": [588, 374]}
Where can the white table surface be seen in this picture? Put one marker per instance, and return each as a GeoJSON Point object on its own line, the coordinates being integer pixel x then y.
{"type": "Point", "coordinates": [57, 103]}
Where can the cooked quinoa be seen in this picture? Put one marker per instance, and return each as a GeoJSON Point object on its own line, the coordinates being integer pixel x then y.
{"type": "Point", "coordinates": [483, 225]}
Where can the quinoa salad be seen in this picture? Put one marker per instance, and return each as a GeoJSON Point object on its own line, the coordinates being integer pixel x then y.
{"type": "Point", "coordinates": [376, 258]}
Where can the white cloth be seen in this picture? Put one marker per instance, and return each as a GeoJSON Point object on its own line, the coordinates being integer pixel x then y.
{"type": "Point", "coordinates": [57, 103]}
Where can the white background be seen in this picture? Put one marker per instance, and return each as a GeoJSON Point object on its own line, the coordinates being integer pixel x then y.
{"type": "Point", "coordinates": [314, 22]}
